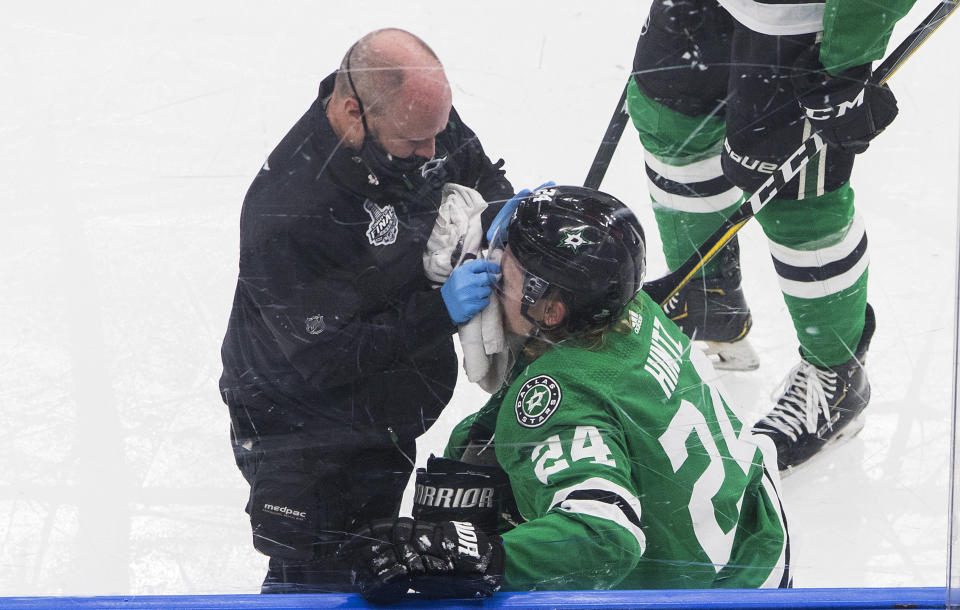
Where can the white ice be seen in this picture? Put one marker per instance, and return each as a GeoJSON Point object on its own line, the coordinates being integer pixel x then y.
{"type": "Point", "coordinates": [129, 132]}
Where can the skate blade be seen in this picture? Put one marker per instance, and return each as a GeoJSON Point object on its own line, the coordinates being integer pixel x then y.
{"type": "Point", "coordinates": [852, 429]}
{"type": "Point", "coordinates": [738, 356]}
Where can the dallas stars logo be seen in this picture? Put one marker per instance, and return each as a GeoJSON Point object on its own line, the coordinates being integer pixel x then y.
{"type": "Point", "coordinates": [537, 400]}
{"type": "Point", "coordinates": [573, 238]}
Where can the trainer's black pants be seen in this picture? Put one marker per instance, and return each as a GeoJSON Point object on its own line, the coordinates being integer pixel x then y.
{"type": "Point", "coordinates": [309, 490]}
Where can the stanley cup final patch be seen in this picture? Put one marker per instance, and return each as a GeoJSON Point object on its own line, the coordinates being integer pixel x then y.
{"type": "Point", "coordinates": [383, 224]}
{"type": "Point", "coordinates": [537, 400]}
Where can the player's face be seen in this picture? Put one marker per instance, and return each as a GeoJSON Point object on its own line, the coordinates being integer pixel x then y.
{"type": "Point", "coordinates": [510, 293]}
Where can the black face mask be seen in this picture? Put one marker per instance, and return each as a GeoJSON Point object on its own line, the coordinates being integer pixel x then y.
{"type": "Point", "coordinates": [380, 163]}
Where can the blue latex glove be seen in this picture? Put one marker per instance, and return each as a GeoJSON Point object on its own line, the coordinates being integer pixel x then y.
{"type": "Point", "coordinates": [467, 290]}
{"type": "Point", "coordinates": [502, 219]}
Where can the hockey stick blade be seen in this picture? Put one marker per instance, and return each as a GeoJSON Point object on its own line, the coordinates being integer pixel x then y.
{"type": "Point", "coordinates": [663, 288]}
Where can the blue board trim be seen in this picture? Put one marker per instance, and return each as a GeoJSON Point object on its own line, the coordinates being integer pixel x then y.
{"type": "Point", "coordinates": [896, 597]}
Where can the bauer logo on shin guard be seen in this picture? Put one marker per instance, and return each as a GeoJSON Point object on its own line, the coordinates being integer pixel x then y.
{"type": "Point", "coordinates": [466, 539]}
{"type": "Point", "coordinates": [764, 167]}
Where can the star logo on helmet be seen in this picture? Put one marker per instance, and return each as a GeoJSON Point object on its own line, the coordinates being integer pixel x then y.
{"type": "Point", "coordinates": [573, 238]}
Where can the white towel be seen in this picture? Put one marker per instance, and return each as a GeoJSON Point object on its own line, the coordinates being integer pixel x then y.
{"type": "Point", "coordinates": [456, 237]}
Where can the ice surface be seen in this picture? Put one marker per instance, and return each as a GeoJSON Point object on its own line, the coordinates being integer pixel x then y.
{"type": "Point", "coordinates": [129, 132]}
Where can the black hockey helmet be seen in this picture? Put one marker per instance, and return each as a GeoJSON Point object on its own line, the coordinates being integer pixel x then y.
{"type": "Point", "coordinates": [586, 243]}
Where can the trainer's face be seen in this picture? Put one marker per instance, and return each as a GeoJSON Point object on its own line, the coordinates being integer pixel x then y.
{"type": "Point", "coordinates": [411, 124]}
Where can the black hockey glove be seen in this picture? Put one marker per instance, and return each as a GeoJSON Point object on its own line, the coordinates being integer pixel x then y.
{"type": "Point", "coordinates": [451, 490]}
{"type": "Point", "coordinates": [407, 559]}
{"type": "Point", "coordinates": [848, 109]}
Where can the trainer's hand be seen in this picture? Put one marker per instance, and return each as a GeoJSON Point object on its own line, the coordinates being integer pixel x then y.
{"type": "Point", "coordinates": [449, 559]}
{"type": "Point", "coordinates": [502, 219]}
{"type": "Point", "coordinates": [467, 290]}
{"type": "Point", "coordinates": [848, 109]}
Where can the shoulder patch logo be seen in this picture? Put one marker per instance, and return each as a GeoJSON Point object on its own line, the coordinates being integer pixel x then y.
{"type": "Point", "coordinates": [537, 400]}
{"type": "Point", "coordinates": [636, 321]}
{"type": "Point", "coordinates": [383, 224]}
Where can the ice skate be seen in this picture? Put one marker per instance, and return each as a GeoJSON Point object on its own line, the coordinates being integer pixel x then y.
{"type": "Point", "coordinates": [713, 310]}
{"type": "Point", "coordinates": [819, 406]}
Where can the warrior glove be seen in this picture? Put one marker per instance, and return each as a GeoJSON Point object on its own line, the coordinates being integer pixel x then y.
{"type": "Point", "coordinates": [403, 559]}
{"type": "Point", "coordinates": [451, 490]}
{"type": "Point", "coordinates": [848, 109]}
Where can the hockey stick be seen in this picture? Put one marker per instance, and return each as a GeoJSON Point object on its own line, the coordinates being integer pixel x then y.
{"type": "Point", "coordinates": [608, 145]}
{"type": "Point", "coordinates": [663, 288]}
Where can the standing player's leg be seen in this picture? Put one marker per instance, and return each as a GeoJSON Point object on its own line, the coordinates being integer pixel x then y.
{"type": "Point", "coordinates": [677, 103]}
{"type": "Point", "coordinates": [818, 244]}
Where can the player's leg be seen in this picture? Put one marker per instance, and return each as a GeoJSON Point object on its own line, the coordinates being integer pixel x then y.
{"type": "Point", "coordinates": [824, 283]}
{"type": "Point", "coordinates": [817, 241]}
{"type": "Point", "coordinates": [676, 102]}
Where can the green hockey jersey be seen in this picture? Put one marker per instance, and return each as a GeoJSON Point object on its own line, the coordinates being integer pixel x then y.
{"type": "Point", "coordinates": [854, 32]}
{"type": "Point", "coordinates": [631, 471]}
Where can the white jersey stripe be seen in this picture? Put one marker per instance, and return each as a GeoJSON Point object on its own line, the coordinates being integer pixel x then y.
{"type": "Point", "coordinates": [771, 483]}
{"type": "Point", "coordinates": [822, 256]}
{"type": "Point", "coordinates": [777, 19]}
{"type": "Point", "coordinates": [701, 171]}
{"type": "Point", "coordinates": [603, 510]}
{"type": "Point", "coordinates": [833, 285]}
{"type": "Point", "coordinates": [694, 205]}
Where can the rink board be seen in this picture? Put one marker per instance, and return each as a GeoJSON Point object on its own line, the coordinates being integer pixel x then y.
{"type": "Point", "coordinates": [896, 597]}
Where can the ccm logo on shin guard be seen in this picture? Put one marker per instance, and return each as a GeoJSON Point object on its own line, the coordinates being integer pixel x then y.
{"type": "Point", "coordinates": [283, 511]}
{"type": "Point", "coordinates": [449, 497]}
{"type": "Point", "coordinates": [466, 539]}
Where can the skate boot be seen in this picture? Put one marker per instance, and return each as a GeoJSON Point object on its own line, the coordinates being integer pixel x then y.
{"type": "Point", "coordinates": [714, 310]}
{"type": "Point", "coordinates": [819, 406]}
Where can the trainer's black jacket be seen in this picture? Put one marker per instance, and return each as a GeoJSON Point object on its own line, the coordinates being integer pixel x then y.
{"type": "Point", "coordinates": [335, 330]}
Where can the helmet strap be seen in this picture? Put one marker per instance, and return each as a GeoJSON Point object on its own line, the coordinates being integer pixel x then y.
{"type": "Point", "coordinates": [534, 287]}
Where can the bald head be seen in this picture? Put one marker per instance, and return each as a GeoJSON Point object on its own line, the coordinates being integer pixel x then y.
{"type": "Point", "coordinates": [387, 64]}
{"type": "Point", "coordinates": [395, 81]}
